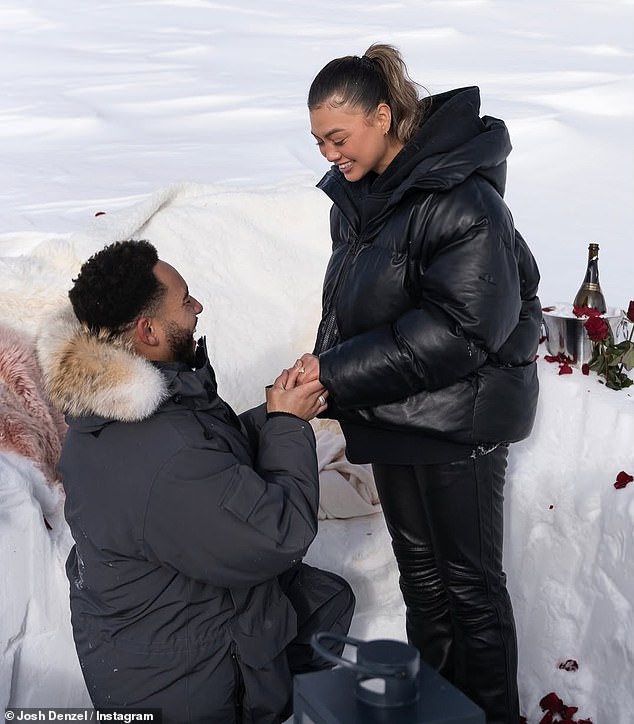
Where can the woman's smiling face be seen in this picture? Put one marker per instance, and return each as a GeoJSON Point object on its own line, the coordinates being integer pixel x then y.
{"type": "Point", "coordinates": [357, 142]}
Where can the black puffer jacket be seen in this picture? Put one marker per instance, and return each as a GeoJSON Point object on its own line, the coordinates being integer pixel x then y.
{"type": "Point", "coordinates": [430, 316]}
{"type": "Point", "coordinates": [183, 516]}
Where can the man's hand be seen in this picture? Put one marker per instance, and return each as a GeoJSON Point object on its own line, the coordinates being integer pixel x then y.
{"type": "Point", "coordinates": [302, 399]}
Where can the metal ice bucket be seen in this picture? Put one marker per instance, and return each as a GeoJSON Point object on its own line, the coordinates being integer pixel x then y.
{"type": "Point", "coordinates": [565, 333]}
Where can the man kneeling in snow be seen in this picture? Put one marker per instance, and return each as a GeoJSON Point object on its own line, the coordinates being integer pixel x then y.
{"type": "Point", "coordinates": [186, 583]}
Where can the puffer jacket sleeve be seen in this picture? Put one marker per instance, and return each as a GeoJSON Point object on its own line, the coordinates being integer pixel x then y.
{"type": "Point", "coordinates": [252, 421]}
{"type": "Point", "coordinates": [469, 304]}
{"type": "Point", "coordinates": [218, 520]}
{"type": "Point", "coordinates": [521, 345]}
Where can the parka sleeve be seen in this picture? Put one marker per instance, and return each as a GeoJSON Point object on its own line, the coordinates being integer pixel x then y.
{"type": "Point", "coordinates": [224, 522]}
{"type": "Point", "coordinates": [469, 303]}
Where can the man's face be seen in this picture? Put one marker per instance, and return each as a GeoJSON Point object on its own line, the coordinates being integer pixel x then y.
{"type": "Point", "coordinates": [177, 316]}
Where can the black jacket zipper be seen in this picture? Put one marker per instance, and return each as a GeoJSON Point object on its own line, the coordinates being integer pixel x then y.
{"type": "Point", "coordinates": [328, 330]}
{"type": "Point", "coordinates": [239, 684]}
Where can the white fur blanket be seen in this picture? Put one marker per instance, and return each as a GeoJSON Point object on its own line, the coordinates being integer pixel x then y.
{"type": "Point", "coordinates": [38, 664]}
{"type": "Point", "coordinates": [29, 426]}
{"type": "Point", "coordinates": [258, 279]}
{"type": "Point", "coordinates": [336, 498]}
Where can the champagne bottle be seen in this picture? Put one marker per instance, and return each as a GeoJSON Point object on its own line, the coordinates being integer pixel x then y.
{"type": "Point", "coordinates": [590, 294]}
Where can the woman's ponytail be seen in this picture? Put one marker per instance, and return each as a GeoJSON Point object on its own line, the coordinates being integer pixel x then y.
{"type": "Point", "coordinates": [403, 93]}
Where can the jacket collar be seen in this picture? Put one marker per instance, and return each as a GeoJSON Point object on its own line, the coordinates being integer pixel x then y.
{"type": "Point", "coordinates": [452, 143]}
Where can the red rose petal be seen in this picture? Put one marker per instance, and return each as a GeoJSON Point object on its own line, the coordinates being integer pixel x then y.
{"type": "Point", "coordinates": [630, 311]}
{"type": "Point", "coordinates": [560, 358]}
{"type": "Point", "coordinates": [569, 665]}
{"type": "Point", "coordinates": [586, 312]}
{"type": "Point", "coordinates": [557, 711]}
{"type": "Point", "coordinates": [585, 369]}
{"type": "Point", "coordinates": [100, 213]}
{"type": "Point", "coordinates": [622, 479]}
{"type": "Point", "coordinates": [565, 369]}
{"type": "Point", "coordinates": [551, 702]}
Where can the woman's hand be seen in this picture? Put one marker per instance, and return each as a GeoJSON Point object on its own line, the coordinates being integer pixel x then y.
{"type": "Point", "coordinates": [308, 366]}
{"type": "Point", "coordinates": [302, 399]}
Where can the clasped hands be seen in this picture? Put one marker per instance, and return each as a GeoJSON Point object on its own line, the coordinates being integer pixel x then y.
{"type": "Point", "coordinates": [297, 390]}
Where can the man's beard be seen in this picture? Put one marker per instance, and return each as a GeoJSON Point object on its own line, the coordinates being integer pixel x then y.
{"type": "Point", "coordinates": [181, 342]}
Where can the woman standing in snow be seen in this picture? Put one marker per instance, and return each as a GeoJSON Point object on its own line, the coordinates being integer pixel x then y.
{"type": "Point", "coordinates": [427, 345]}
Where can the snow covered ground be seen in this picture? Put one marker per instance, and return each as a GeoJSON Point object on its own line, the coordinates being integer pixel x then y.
{"type": "Point", "coordinates": [107, 106]}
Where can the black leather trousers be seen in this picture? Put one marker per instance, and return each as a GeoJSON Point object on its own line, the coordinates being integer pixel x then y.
{"type": "Point", "coordinates": [446, 524]}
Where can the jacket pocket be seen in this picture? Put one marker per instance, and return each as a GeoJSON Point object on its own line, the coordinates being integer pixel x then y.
{"type": "Point", "coordinates": [265, 625]}
{"type": "Point", "coordinates": [243, 495]}
{"type": "Point", "coordinates": [506, 404]}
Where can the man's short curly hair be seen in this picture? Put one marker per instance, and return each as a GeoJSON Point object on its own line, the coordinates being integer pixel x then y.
{"type": "Point", "coordinates": [116, 285]}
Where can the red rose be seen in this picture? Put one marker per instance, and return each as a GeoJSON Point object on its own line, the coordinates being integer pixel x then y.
{"type": "Point", "coordinates": [630, 311]}
{"type": "Point", "coordinates": [598, 329]}
{"type": "Point", "coordinates": [622, 479]}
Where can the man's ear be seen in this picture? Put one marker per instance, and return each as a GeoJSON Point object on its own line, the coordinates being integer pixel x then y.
{"type": "Point", "coordinates": [146, 332]}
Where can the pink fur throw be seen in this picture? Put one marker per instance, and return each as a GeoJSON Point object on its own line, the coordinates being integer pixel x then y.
{"type": "Point", "coordinates": [29, 426]}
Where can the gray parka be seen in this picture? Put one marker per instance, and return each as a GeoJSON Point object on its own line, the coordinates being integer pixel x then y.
{"type": "Point", "coordinates": [183, 516]}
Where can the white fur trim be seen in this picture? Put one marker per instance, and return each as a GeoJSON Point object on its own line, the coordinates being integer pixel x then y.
{"type": "Point", "coordinates": [87, 375]}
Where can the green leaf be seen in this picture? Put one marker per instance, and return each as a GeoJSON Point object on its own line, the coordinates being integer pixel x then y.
{"type": "Point", "coordinates": [617, 380]}
{"type": "Point", "coordinates": [628, 357]}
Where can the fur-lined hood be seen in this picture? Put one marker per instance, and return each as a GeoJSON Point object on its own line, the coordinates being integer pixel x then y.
{"type": "Point", "coordinates": [89, 375]}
